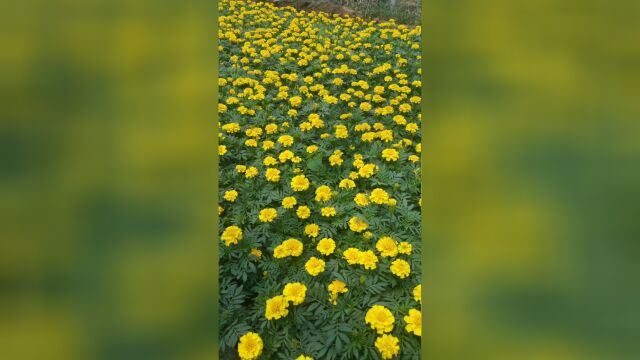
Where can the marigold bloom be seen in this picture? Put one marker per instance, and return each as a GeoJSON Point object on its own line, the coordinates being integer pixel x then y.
{"type": "Point", "coordinates": [379, 196]}
{"type": "Point", "coordinates": [289, 202]}
{"type": "Point", "coordinates": [250, 346]}
{"type": "Point", "coordinates": [326, 246]}
{"type": "Point", "coordinates": [267, 215]}
{"type": "Point", "coordinates": [347, 184]}
{"type": "Point", "coordinates": [417, 293]}
{"type": "Point", "coordinates": [328, 211]}
{"type": "Point", "coordinates": [231, 235]}
{"type": "Point", "coordinates": [312, 230]}
{"type": "Point", "coordinates": [251, 172]}
{"type": "Point", "coordinates": [414, 322]}
{"type": "Point", "coordinates": [272, 174]}
{"type": "Point", "coordinates": [277, 307]}
{"type": "Point", "coordinates": [230, 195]}
{"type": "Point", "coordinates": [357, 224]}
{"type": "Point", "coordinates": [222, 149]}
{"type": "Point", "coordinates": [390, 154]}
{"type": "Point", "coordinates": [295, 292]}
{"type": "Point", "coordinates": [380, 319]}
{"type": "Point", "coordinates": [352, 255]}
{"type": "Point", "coordinates": [323, 193]}
{"type": "Point", "coordinates": [368, 259]}
{"type": "Point", "coordinates": [405, 248]}
{"type": "Point", "coordinates": [361, 199]}
{"type": "Point", "coordinates": [387, 247]}
{"type": "Point", "coordinates": [388, 346]}
{"type": "Point", "coordinates": [299, 183]}
{"type": "Point", "coordinates": [303, 212]}
{"type": "Point", "coordinates": [400, 268]}
{"type": "Point", "coordinates": [314, 266]}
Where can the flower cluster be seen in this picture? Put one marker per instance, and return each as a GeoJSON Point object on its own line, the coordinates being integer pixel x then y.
{"type": "Point", "coordinates": [319, 167]}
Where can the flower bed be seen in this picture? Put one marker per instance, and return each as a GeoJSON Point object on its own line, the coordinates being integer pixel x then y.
{"type": "Point", "coordinates": [319, 185]}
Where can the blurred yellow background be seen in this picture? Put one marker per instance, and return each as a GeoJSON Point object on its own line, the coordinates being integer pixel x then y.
{"type": "Point", "coordinates": [108, 188]}
{"type": "Point", "coordinates": [531, 179]}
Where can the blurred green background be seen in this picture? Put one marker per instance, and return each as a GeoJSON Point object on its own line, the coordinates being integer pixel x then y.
{"type": "Point", "coordinates": [108, 189]}
{"type": "Point", "coordinates": [532, 179]}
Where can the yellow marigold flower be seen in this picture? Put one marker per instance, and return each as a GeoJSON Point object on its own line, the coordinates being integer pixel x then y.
{"type": "Point", "coordinates": [357, 224]}
{"type": "Point", "coordinates": [277, 307]}
{"type": "Point", "coordinates": [295, 101]}
{"type": "Point", "coordinates": [365, 106]}
{"type": "Point", "coordinates": [251, 172]}
{"type": "Point", "coordinates": [230, 195]}
{"type": "Point", "coordinates": [328, 211]}
{"type": "Point", "coordinates": [380, 319]}
{"type": "Point", "coordinates": [312, 230]}
{"type": "Point", "coordinates": [413, 158]}
{"type": "Point", "coordinates": [335, 160]}
{"type": "Point", "coordinates": [304, 357]}
{"type": "Point", "coordinates": [285, 155]}
{"type": "Point", "coordinates": [387, 247]}
{"type": "Point", "coordinates": [367, 170]}
{"type": "Point", "coordinates": [361, 199]}
{"type": "Point", "coordinates": [267, 144]}
{"type": "Point", "coordinates": [271, 128]}
{"type": "Point", "coordinates": [314, 266]}
{"type": "Point", "coordinates": [299, 183]}
{"type": "Point", "coordinates": [326, 246]}
{"type": "Point", "coordinates": [338, 287]}
{"type": "Point", "coordinates": [272, 174]}
{"type": "Point", "coordinates": [220, 210]}
{"type": "Point", "coordinates": [285, 140]}
{"type": "Point", "coordinates": [222, 149]}
{"type": "Point", "coordinates": [241, 169]}
{"type": "Point", "coordinates": [417, 293]}
{"type": "Point", "coordinates": [347, 184]}
{"type": "Point", "coordinates": [231, 235]}
{"type": "Point", "coordinates": [335, 288]}
{"type": "Point", "coordinates": [400, 268]}
{"type": "Point", "coordinates": [405, 248]}
{"type": "Point", "coordinates": [250, 346]}
{"type": "Point", "coordinates": [295, 292]}
{"type": "Point", "coordinates": [368, 259]}
{"type": "Point", "coordinates": [256, 252]}
{"type": "Point", "coordinates": [323, 193]}
{"type": "Point", "coordinates": [352, 255]}
{"type": "Point", "coordinates": [303, 212]}
{"type": "Point", "coordinates": [293, 247]}
{"type": "Point", "coordinates": [419, 148]}
{"type": "Point", "coordinates": [251, 143]}
{"type": "Point", "coordinates": [311, 149]}
{"type": "Point", "coordinates": [390, 154]}
{"type": "Point", "coordinates": [292, 112]}
{"type": "Point", "coordinates": [379, 196]}
{"type": "Point", "coordinates": [414, 322]}
{"type": "Point", "coordinates": [231, 128]}
{"type": "Point", "coordinates": [289, 202]}
{"type": "Point", "coordinates": [412, 128]}
{"type": "Point", "coordinates": [267, 215]}
{"type": "Point", "coordinates": [269, 160]}
{"type": "Point", "coordinates": [388, 346]}
{"type": "Point", "coordinates": [392, 202]}
{"type": "Point", "coordinates": [353, 175]}
{"type": "Point", "coordinates": [341, 132]}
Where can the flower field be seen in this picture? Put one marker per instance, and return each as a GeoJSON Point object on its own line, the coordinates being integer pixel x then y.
{"type": "Point", "coordinates": [319, 181]}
